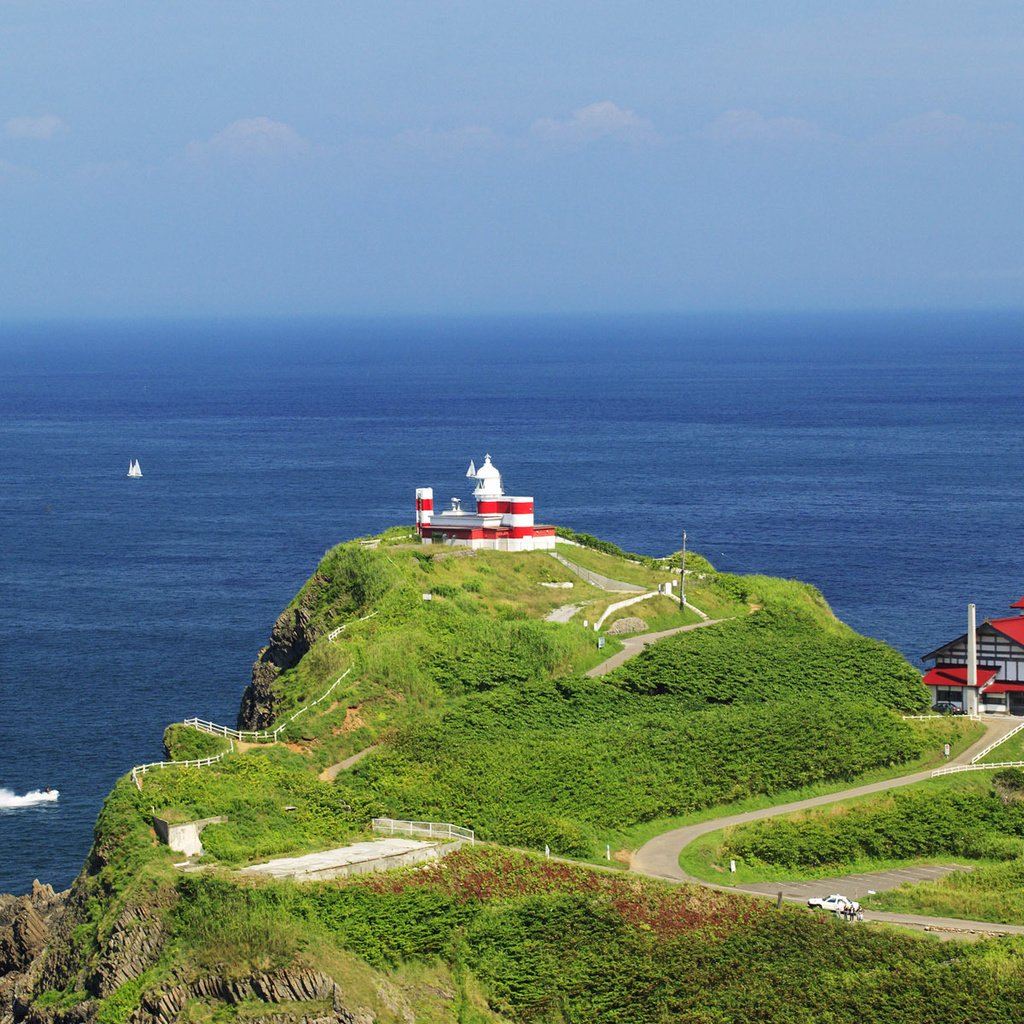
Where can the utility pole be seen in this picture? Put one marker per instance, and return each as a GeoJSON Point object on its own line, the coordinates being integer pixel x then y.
{"type": "Point", "coordinates": [682, 577]}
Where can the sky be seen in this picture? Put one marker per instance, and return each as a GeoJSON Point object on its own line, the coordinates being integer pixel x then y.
{"type": "Point", "coordinates": [410, 156]}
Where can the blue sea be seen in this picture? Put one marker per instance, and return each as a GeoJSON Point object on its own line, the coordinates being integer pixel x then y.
{"type": "Point", "coordinates": [876, 456]}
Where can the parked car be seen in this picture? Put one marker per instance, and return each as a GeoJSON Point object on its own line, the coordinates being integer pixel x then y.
{"type": "Point", "coordinates": [836, 903]}
{"type": "Point", "coordinates": [948, 707]}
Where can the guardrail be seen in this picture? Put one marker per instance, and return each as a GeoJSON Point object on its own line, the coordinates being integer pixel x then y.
{"type": "Point", "coordinates": [937, 717]}
{"type": "Point", "coordinates": [952, 769]}
{"type": "Point", "coordinates": [243, 736]}
{"type": "Point", "coordinates": [433, 829]}
{"type": "Point", "coordinates": [202, 762]}
{"type": "Point", "coordinates": [338, 630]}
{"type": "Point", "coordinates": [995, 743]}
{"type": "Point", "coordinates": [260, 735]}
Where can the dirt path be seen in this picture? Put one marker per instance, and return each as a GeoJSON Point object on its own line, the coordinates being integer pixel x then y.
{"type": "Point", "coordinates": [659, 857]}
{"type": "Point", "coordinates": [633, 645]}
{"type": "Point", "coordinates": [331, 773]}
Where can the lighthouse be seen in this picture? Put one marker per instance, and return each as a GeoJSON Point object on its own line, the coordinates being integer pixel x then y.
{"type": "Point", "coordinates": [500, 522]}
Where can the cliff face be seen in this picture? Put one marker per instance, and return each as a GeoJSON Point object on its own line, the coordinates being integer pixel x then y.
{"type": "Point", "coordinates": [290, 640]}
{"type": "Point", "coordinates": [26, 926]}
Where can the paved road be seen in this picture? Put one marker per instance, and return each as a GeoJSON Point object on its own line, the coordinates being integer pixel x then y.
{"type": "Point", "coordinates": [659, 858]}
{"type": "Point", "coordinates": [633, 645]}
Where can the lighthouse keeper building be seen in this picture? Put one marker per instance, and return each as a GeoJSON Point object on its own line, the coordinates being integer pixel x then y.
{"type": "Point", "coordinates": [500, 522]}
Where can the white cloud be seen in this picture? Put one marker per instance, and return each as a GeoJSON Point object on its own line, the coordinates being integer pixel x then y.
{"type": "Point", "coordinates": [751, 126]}
{"type": "Point", "coordinates": [597, 121]}
{"type": "Point", "coordinates": [251, 137]}
{"type": "Point", "coordinates": [43, 127]}
{"type": "Point", "coordinates": [938, 127]}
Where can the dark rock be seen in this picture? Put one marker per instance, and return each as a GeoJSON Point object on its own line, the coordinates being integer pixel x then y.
{"type": "Point", "coordinates": [290, 640]}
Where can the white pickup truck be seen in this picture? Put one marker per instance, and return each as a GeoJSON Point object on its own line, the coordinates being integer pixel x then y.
{"type": "Point", "coordinates": [836, 903]}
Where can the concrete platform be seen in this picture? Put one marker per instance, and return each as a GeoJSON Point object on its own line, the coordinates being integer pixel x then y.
{"type": "Point", "coordinates": [356, 859]}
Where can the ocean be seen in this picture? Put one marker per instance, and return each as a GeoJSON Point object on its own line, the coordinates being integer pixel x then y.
{"type": "Point", "coordinates": [876, 456]}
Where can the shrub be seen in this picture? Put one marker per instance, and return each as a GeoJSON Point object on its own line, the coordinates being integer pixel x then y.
{"type": "Point", "coordinates": [772, 655]}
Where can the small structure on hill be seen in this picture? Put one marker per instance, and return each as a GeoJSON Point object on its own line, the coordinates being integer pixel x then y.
{"type": "Point", "coordinates": [982, 670]}
{"type": "Point", "coordinates": [499, 522]}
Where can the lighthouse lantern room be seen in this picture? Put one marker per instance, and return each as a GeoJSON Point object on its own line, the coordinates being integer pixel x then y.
{"type": "Point", "coordinates": [500, 522]}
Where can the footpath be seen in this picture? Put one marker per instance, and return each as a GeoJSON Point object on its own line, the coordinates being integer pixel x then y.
{"type": "Point", "coordinates": [659, 857]}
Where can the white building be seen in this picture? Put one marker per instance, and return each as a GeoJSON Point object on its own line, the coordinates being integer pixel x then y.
{"type": "Point", "coordinates": [500, 522]}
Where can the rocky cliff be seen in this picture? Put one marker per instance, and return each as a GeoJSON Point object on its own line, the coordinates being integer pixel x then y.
{"type": "Point", "coordinates": [26, 926]}
{"type": "Point", "coordinates": [290, 640]}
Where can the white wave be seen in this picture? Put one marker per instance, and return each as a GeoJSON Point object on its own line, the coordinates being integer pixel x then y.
{"type": "Point", "coordinates": [9, 800]}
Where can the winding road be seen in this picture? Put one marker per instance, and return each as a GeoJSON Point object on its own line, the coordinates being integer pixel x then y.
{"type": "Point", "coordinates": [659, 858]}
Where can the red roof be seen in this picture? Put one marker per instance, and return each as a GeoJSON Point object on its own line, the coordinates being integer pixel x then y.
{"type": "Point", "coordinates": [956, 675]}
{"type": "Point", "coordinates": [1019, 603]}
{"type": "Point", "coordinates": [1004, 688]}
{"type": "Point", "coordinates": [1013, 627]}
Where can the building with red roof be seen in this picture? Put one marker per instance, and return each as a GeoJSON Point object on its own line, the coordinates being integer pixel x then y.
{"type": "Point", "coordinates": [997, 684]}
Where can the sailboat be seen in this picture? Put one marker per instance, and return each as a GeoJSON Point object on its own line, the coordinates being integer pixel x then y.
{"type": "Point", "coordinates": [133, 468]}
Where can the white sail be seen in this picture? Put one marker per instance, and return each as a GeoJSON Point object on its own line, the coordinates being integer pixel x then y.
{"type": "Point", "coordinates": [134, 469]}
{"type": "Point", "coordinates": [472, 469]}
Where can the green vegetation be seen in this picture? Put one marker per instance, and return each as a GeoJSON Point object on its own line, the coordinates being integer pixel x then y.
{"type": "Point", "coordinates": [1009, 750]}
{"type": "Point", "coordinates": [481, 716]}
{"type": "Point", "coordinates": [643, 574]}
{"type": "Point", "coordinates": [783, 648]}
{"type": "Point", "coordinates": [550, 942]}
{"type": "Point", "coordinates": [182, 743]}
{"type": "Point", "coordinates": [514, 765]}
{"type": "Point", "coordinates": [991, 892]}
{"type": "Point", "coordinates": [928, 821]}
{"type": "Point", "coordinates": [658, 612]}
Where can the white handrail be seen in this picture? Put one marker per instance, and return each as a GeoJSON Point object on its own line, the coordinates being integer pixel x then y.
{"type": "Point", "coordinates": [260, 735]}
{"type": "Point", "coordinates": [952, 769]}
{"type": "Point", "coordinates": [230, 734]}
{"type": "Point", "coordinates": [433, 829]}
{"type": "Point", "coordinates": [201, 762]}
{"type": "Point", "coordinates": [334, 633]}
{"type": "Point", "coordinates": [995, 743]}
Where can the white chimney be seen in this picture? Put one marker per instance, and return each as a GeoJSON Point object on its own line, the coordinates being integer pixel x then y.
{"type": "Point", "coordinates": [972, 647]}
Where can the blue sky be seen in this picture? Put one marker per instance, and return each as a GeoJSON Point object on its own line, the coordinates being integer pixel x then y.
{"type": "Point", "coordinates": [471, 157]}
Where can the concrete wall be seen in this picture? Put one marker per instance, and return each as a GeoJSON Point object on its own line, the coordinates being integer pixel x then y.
{"type": "Point", "coordinates": [183, 837]}
{"type": "Point", "coordinates": [364, 867]}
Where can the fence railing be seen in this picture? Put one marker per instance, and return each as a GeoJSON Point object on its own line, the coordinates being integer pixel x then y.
{"type": "Point", "coordinates": [995, 743]}
{"type": "Point", "coordinates": [202, 762]}
{"type": "Point", "coordinates": [935, 716]}
{"type": "Point", "coordinates": [260, 735]}
{"type": "Point", "coordinates": [596, 579]}
{"type": "Point", "coordinates": [952, 769]}
{"type": "Point", "coordinates": [338, 630]}
{"type": "Point", "coordinates": [433, 829]}
{"type": "Point", "coordinates": [243, 736]}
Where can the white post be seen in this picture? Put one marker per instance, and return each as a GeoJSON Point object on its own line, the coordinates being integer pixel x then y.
{"type": "Point", "coordinates": [971, 701]}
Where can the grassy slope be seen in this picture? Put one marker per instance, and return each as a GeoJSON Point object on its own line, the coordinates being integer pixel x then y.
{"type": "Point", "coordinates": [478, 702]}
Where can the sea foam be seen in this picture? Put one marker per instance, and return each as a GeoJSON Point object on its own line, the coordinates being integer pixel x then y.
{"type": "Point", "coordinates": [9, 800]}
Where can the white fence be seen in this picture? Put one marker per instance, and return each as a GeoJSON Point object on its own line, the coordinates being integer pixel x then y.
{"type": "Point", "coordinates": [260, 735]}
{"type": "Point", "coordinates": [140, 769]}
{"type": "Point", "coordinates": [995, 743]}
{"type": "Point", "coordinates": [433, 829]}
{"type": "Point", "coordinates": [338, 630]}
{"type": "Point", "coordinates": [231, 735]}
{"type": "Point", "coordinates": [952, 769]}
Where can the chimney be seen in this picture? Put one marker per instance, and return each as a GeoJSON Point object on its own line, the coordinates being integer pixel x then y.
{"type": "Point", "coordinates": [972, 647]}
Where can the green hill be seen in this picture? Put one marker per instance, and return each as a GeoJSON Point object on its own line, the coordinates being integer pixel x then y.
{"type": "Point", "coordinates": [470, 707]}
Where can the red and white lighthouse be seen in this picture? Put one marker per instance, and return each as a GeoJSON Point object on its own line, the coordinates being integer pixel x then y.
{"type": "Point", "coordinates": [500, 521]}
